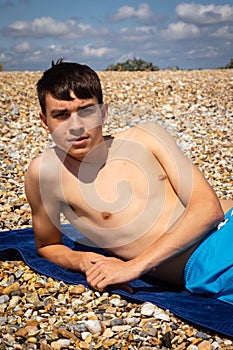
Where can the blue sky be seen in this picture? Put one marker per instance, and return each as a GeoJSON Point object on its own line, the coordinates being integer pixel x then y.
{"type": "Point", "coordinates": [190, 35]}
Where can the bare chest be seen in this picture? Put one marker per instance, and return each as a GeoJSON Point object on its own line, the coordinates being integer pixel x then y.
{"type": "Point", "coordinates": [117, 204]}
{"type": "Point", "coordinates": [119, 188]}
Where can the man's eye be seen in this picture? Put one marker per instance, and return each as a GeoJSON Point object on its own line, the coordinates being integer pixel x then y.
{"type": "Point", "coordinates": [87, 112]}
{"type": "Point", "coordinates": [61, 116]}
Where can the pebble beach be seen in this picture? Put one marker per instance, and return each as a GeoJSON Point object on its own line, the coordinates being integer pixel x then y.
{"type": "Point", "coordinates": [37, 312]}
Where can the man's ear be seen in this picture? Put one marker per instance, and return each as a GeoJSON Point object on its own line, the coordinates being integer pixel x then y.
{"type": "Point", "coordinates": [44, 122]}
{"type": "Point", "coordinates": [104, 110]}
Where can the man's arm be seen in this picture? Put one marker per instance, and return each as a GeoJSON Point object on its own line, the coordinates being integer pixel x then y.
{"type": "Point", "coordinates": [202, 212]}
{"type": "Point", "coordinates": [46, 224]}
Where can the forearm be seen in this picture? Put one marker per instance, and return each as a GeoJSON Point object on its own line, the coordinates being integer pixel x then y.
{"type": "Point", "coordinates": [63, 256]}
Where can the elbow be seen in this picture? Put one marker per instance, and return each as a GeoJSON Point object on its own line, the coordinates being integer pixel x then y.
{"type": "Point", "coordinates": [44, 252]}
{"type": "Point", "coordinates": [40, 252]}
{"type": "Point", "coordinates": [216, 214]}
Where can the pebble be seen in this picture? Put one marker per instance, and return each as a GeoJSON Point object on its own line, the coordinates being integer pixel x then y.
{"type": "Point", "coordinates": [94, 326]}
{"type": "Point", "coordinates": [160, 315]}
{"type": "Point", "coordinates": [122, 328]}
{"type": "Point", "coordinates": [205, 345]}
{"type": "Point", "coordinates": [37, 312]}
{"type": "Point", "coordinates": [4, 299]}
{"type": "Point", "coordinates": [147, 309]}
{"type": "Point", "coordinates": [79, 289]}
{"type": "Point", "coordinates": [14, 301]}
{"type": "Point", "coordinates": [60, 343]}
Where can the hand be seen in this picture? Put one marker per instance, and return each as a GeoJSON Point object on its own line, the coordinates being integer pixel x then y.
{"type": "Point", "coordinates": [86, 260]}
{"type": "Point", "coordinates": [111, 271]}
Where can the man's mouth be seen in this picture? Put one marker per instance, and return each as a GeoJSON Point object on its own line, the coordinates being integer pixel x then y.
{"type": "Point", "coordinates": [79, 141]}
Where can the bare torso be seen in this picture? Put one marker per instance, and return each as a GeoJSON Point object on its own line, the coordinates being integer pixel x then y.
{"type": "Point", "coordinates": [123, 204]}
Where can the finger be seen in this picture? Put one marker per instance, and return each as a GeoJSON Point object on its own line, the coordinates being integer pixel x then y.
{"type": "Point", "coordinates": [93, 275]}
{"type": "Point", "coordinates": [94, 269]}
{"type": "Point", "coordinates": [99, 280]}
{"type": "Point", "coordinates": [95, 281]}
{"type": "Point", "coordinates": [101, 286]}
{"type": "Point", "coordinates": [98, 266]}
{"type": "Point", "coordinates": [95, 260]}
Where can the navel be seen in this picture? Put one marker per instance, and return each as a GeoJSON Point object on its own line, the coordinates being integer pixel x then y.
{"type": "Point", "coordinates": [105, 215]}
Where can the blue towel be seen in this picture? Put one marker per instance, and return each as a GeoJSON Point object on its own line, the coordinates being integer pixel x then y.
{"type": "Point", "coordinates": [203, 311]}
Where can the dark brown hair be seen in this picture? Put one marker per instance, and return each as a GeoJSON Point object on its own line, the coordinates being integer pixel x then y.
{"type": "Point", "coordinates": [64, 77]}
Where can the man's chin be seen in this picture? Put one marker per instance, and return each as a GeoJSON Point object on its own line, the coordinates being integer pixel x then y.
{"type": "Point", "coordinates": [77, 154]}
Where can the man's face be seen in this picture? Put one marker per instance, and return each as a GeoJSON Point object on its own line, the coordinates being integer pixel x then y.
{"type": "Point", "coordinates": [76, 125]}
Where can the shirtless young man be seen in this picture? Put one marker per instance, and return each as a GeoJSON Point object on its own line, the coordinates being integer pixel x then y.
{"type": "Point", "coordinates": [133, 193]}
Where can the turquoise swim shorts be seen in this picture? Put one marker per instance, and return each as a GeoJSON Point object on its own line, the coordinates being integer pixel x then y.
{"type": "Point", "coordinates": [209, 270]}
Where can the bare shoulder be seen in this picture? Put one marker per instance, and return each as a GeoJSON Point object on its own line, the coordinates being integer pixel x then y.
{"type": "Point", "coordinates": [142, 128]}
{"type": "Point", "coordinates": [149, 134]}
{"type": "Point", "coordinates": [32, 172]}
{"type": "Point", "coordinates": [46, 158]}
{"type": "Point", "coordinates": [156, 133]}
{"type": "Point", "coordinates": [40, 167]}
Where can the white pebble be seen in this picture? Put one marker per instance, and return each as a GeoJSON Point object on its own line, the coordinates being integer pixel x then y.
{"type": "Point", "coordinates": [60, 343]}
{"type": "Point", "coordinates": [85, 335]}
{"type": "Point", "coordinates": [94, 326]}
{"type": "Point", "coordinates": [122, 328]}
{"type": "Point", "coordinates": [115, 301]}
{"type": "Point", "coordinates": [14, 301]}
{"type": "Point", "coordinates": [147, 309]}
{"type": "Point", "coordinates": [161, 315]}
{"type": "Point", "coordinates": [4, 299]}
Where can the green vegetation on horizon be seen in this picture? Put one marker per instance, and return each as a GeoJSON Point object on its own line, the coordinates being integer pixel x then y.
{"type": "Point", "coordinates": [230, 64]}
{"type": "Point", "coordinates": [138, 64]}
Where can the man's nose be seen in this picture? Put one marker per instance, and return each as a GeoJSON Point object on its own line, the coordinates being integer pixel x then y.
{"type": "Point", "coordinates": [76, 126]}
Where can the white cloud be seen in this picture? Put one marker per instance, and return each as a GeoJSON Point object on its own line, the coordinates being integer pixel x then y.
{"type": "Point", "coordinates": [136, 34]}
{"type": "Point", "coordinates": [181, 31]}
{"type": "Point", "coordinates": [127, 12]}
{"type": "Point", "coordinates": [207, 52]}
{"type": "Point", "coordinates": [146, 29]}
{"type": "Point", "coordinates": [155, 52]}
{"type": "Point", "coordinates": [22, 47]}
{"type": "Point", "coordinates": [59, 50]}
{"type": "Point", "coordinates": [91, 51]}
{"type": "Point", "coordinates": [3, 57]}
{"type": "Point", "coordinates": [38, 28]}
{"type": "Point", "coordinates": [20, 26]}
{"type": "Point", "coordinates": [204, 14]}
{"type": "Point", "coordinates": [225, 32]}
{"type": "Point", "coordinates": [124, 57]}
{"type": "Point", "coordinates": [144, 11]}
{"type": "Point", "coordinates": [48, 26]}
{"type": "Point", "coordinates": [124, 12]}
{"type": "Point", "coordinates": [36, 57]}
{"type": "Point", "coordinates": [45, 27]}
{"type": "Point", "coordinates": [84, 27]}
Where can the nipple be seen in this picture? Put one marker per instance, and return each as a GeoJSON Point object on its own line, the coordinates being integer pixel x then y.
{"type": "Point", "coordinates": [106, 215]}
{"type": "Point", "coordinates": [162, 177]}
